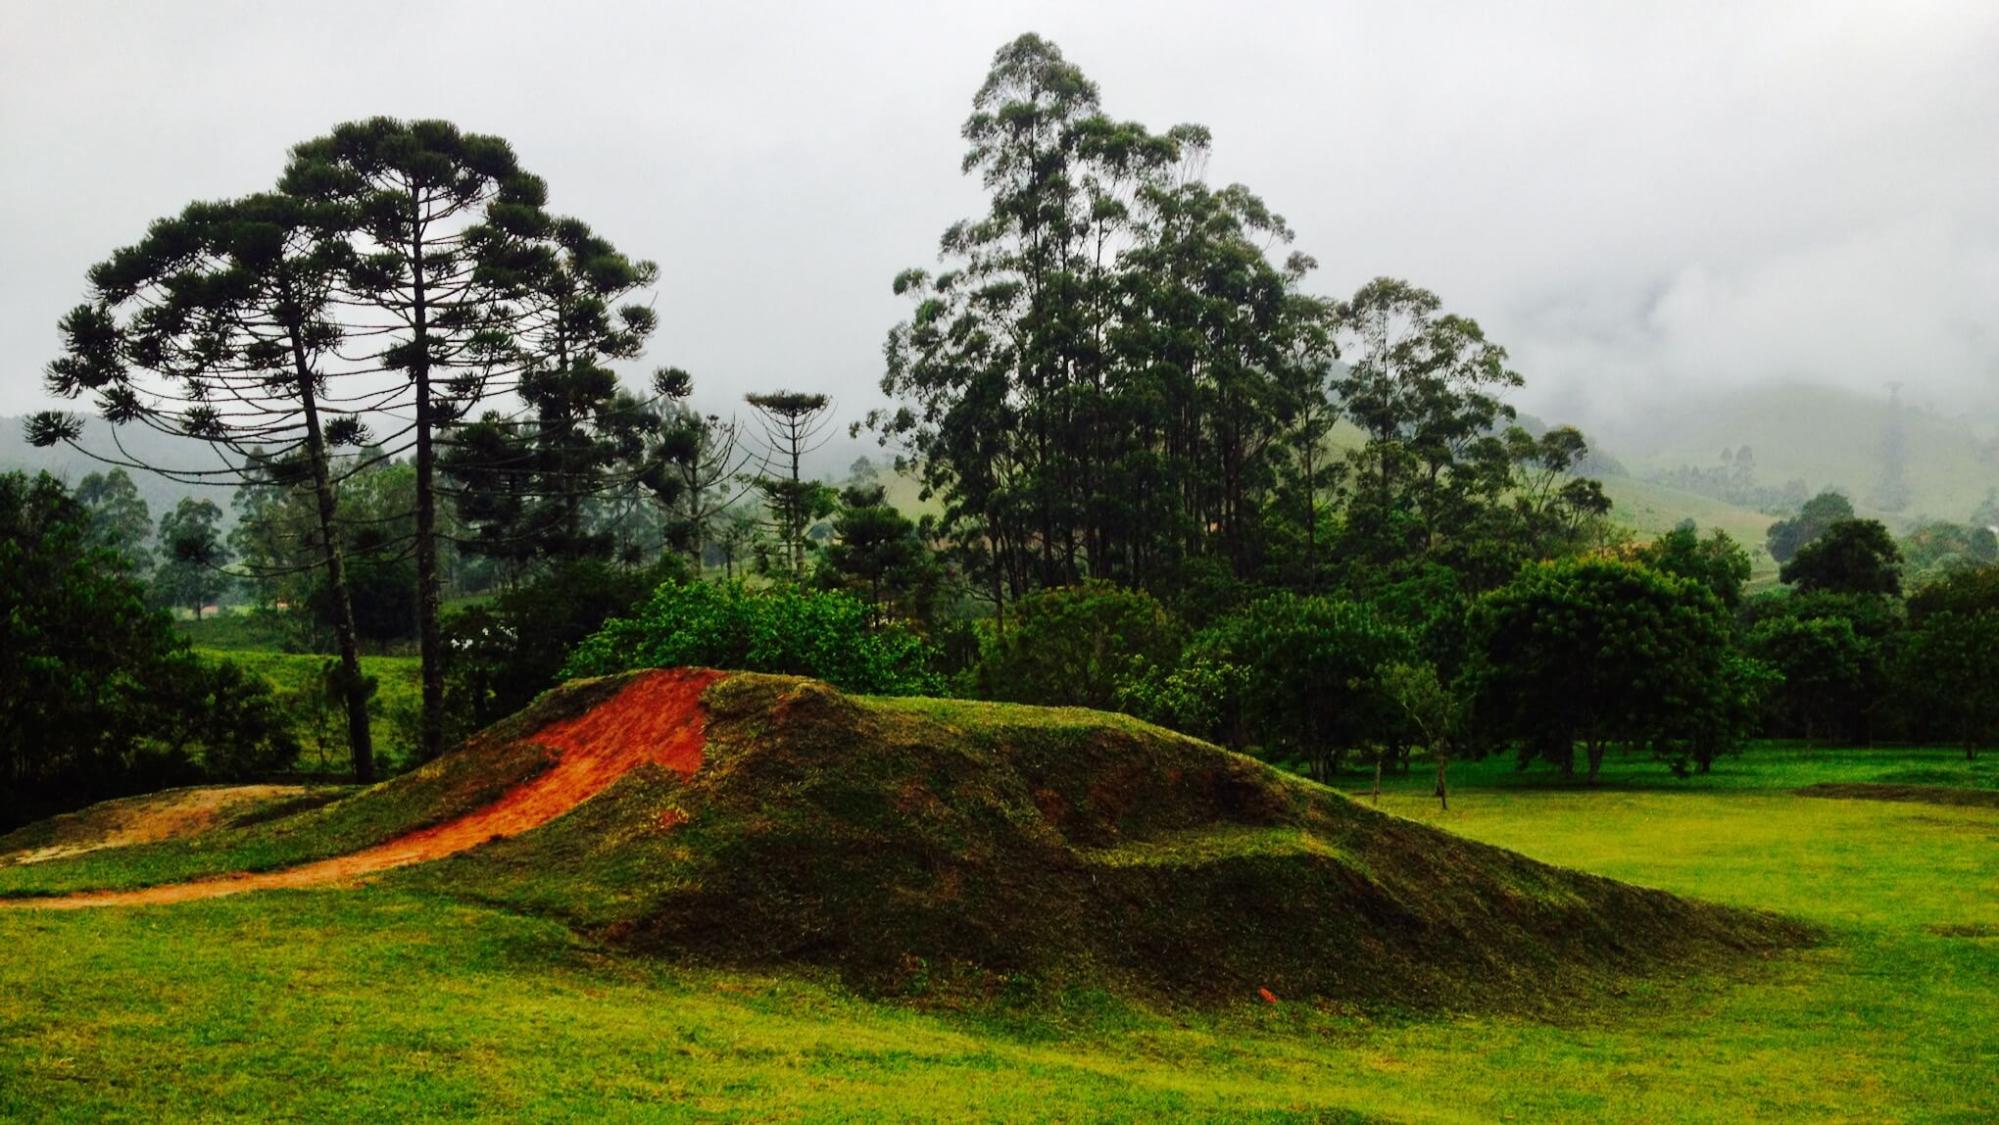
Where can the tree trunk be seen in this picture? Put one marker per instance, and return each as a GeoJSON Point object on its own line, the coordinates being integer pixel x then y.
{"type": "Point", "coordinates": [1595, 752]}
{"type": "Point", "coordinates": [1443, 791]}
{"type": "Point", "coordinates": [430, 639]}
{"type": "Point", "coordinates": [1378, 756]}
{"type": "Point", "coordinates": [353, 686]}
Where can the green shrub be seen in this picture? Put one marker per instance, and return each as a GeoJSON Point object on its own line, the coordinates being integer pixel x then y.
{"type": "Point", "coordinates": [1600, 651]}
{"type": "Point", "coordinates": [785, 630]}
{"type": "Point", "coordinates": [101, 696]}
{"type": "Point", "coordinates": [1300, 677]}
{"type": "Point", "coordinates": [1076, 646]}
{"type": "Point", "coordinates": [503, 654]}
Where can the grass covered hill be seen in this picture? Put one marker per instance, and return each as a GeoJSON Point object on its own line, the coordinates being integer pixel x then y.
{"type": "Point", "coordinates": [924, 846]}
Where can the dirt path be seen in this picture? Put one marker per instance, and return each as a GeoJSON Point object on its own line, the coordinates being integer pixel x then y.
{"type": "Point", "coordinates": [657, 719]}
{"type": "Point", "coordinates": [147, 819]}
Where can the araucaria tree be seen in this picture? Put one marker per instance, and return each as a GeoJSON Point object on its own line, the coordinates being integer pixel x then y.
{"type": "Point", "coordinates": [694, 465]}
{"type": "Point", "coordinates": [191, 574]}
{"type": "Point", "coordinates": [794, 424]}
{"type": "Point", "coordinates": [220, 325]}
{"type": "Point", "coordinates": [433, 210]}
{"type": "Point", "coordinates": [523, 484]}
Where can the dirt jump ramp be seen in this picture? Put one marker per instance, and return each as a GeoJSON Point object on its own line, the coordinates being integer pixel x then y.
{"type": "Point", "coordinates": [657, 719]}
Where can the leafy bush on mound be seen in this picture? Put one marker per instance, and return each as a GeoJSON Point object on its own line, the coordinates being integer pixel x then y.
{"type": "Point", "coordinates": [824, 634]}
{"type": "Point", "coordinates": [503, 654]}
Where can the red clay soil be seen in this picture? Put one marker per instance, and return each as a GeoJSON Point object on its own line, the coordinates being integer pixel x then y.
{"type": "Point", "coordinates": [655, 719]}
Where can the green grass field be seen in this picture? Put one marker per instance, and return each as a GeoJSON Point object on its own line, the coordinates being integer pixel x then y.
{"type": "Point", "coordinates": [390, 1001]}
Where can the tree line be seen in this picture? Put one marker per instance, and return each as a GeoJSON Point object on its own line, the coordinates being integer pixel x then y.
{"type": "Point", "coordinates": [1164, 476]}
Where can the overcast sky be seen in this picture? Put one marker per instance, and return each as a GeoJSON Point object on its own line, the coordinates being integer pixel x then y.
{"type": "Point", "coordinates": [1632, 197]}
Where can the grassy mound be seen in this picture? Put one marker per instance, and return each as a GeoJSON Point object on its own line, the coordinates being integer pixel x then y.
{"type": "Point", "coordinates": [925, 846]}
{"type": "Point", "coordinates": [491, 763]}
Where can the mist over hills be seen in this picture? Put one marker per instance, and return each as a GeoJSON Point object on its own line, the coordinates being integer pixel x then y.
{"type": "Point", "coordinates": [1902, 458]}
{"type": "Point", "coordinates": [127, 443]}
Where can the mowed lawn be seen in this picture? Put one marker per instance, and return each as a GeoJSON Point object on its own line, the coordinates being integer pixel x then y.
{"type": "Point", "coordinates": [381, 1002]}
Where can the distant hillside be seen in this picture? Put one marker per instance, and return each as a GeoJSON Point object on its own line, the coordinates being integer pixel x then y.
{"type": "Point", "coordinates": [1823, 438]}
{"type": "Point", "coordinates": [1653, 509]}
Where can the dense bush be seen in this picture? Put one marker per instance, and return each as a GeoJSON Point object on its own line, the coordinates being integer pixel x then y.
{"type": "Point", "coordinates": [1948, 665]}
{"type": "Point", "coordinates": [1600, 651]}
{"type": "Point", "coordinates": [102, 697]}
{"type": "Point", "coordinates": [1075, 646]}
{"type": "Point", "coordinates": [819, 633]}
{"type": "Point", "coordinates": [1835, 654]}
{"type": "Point", "coordinates": [1296, 677]}
{"type": "Point", "coordinates": [1851, 557]}
{"type": "Point", "coordinates": [503, 654]}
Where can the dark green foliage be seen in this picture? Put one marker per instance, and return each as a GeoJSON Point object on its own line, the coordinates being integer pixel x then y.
{"type": "Point", "coordinates": [1948, 666]}
{"type": "Point", "coordinates": [192, 555]}
{"type": "Point", "coordinates": [1836, 654]}
{"type": "Point", "coordinates": [119, 519]}
{"type": "Point", "coordinates": [101, 696]}
{"type": "Point", "coordinates": [1076, 646]}
{"type": "Point", "coordinates": [877, 553]}
{"type": "Point", "coordinates": [1969, 592]}
{"type": "Point", "coordinates": [1597, 651]}
{"type": "Point", "coordinates": [820, 633]}
{"type": "Point", "coordinates": [1717, 562]}
{"type": "Point", "coordinates": [383, 588]}
{"type": "Point", "coordinates": [1849, 557]}
{"type": "Point", "coordinates": [1936, 551]}
{"type": "Point", "coordinates": [1301, 678]}
{"type": "Point", "coordinates": [523, 484]}
{"type": "Point", "coordinates": [508, 651]}
{"type": "Point", "coordinates": [1825, 665]}
{"type": "Point", "coordinates": [1786, 537]}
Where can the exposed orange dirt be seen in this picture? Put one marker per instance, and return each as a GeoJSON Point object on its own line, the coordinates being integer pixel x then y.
{"type": "Point", "coordinates": [656, 719]}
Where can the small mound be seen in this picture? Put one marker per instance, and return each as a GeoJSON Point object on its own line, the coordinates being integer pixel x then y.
{"type": "Point", "coordinates": [169, 815]}
{"type": "Point", "coordinates": [652, 720]}
{"type": "Point", "coordinates": [1920, 794]}
{"type": "Point", "coordinates": [948, 847]}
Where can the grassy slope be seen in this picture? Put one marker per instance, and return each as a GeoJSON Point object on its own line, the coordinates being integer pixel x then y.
{"type": "Point", "coordinates": [932, 848]}
{"type": "Point", "coordinates": [398, 1002]}
{"type": "Point", "coordinates": [941, 849]}
{"type": "Point", "coordinates": [1652, 509]}
{"type": "Point", "coordinates": [1828, 439]}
